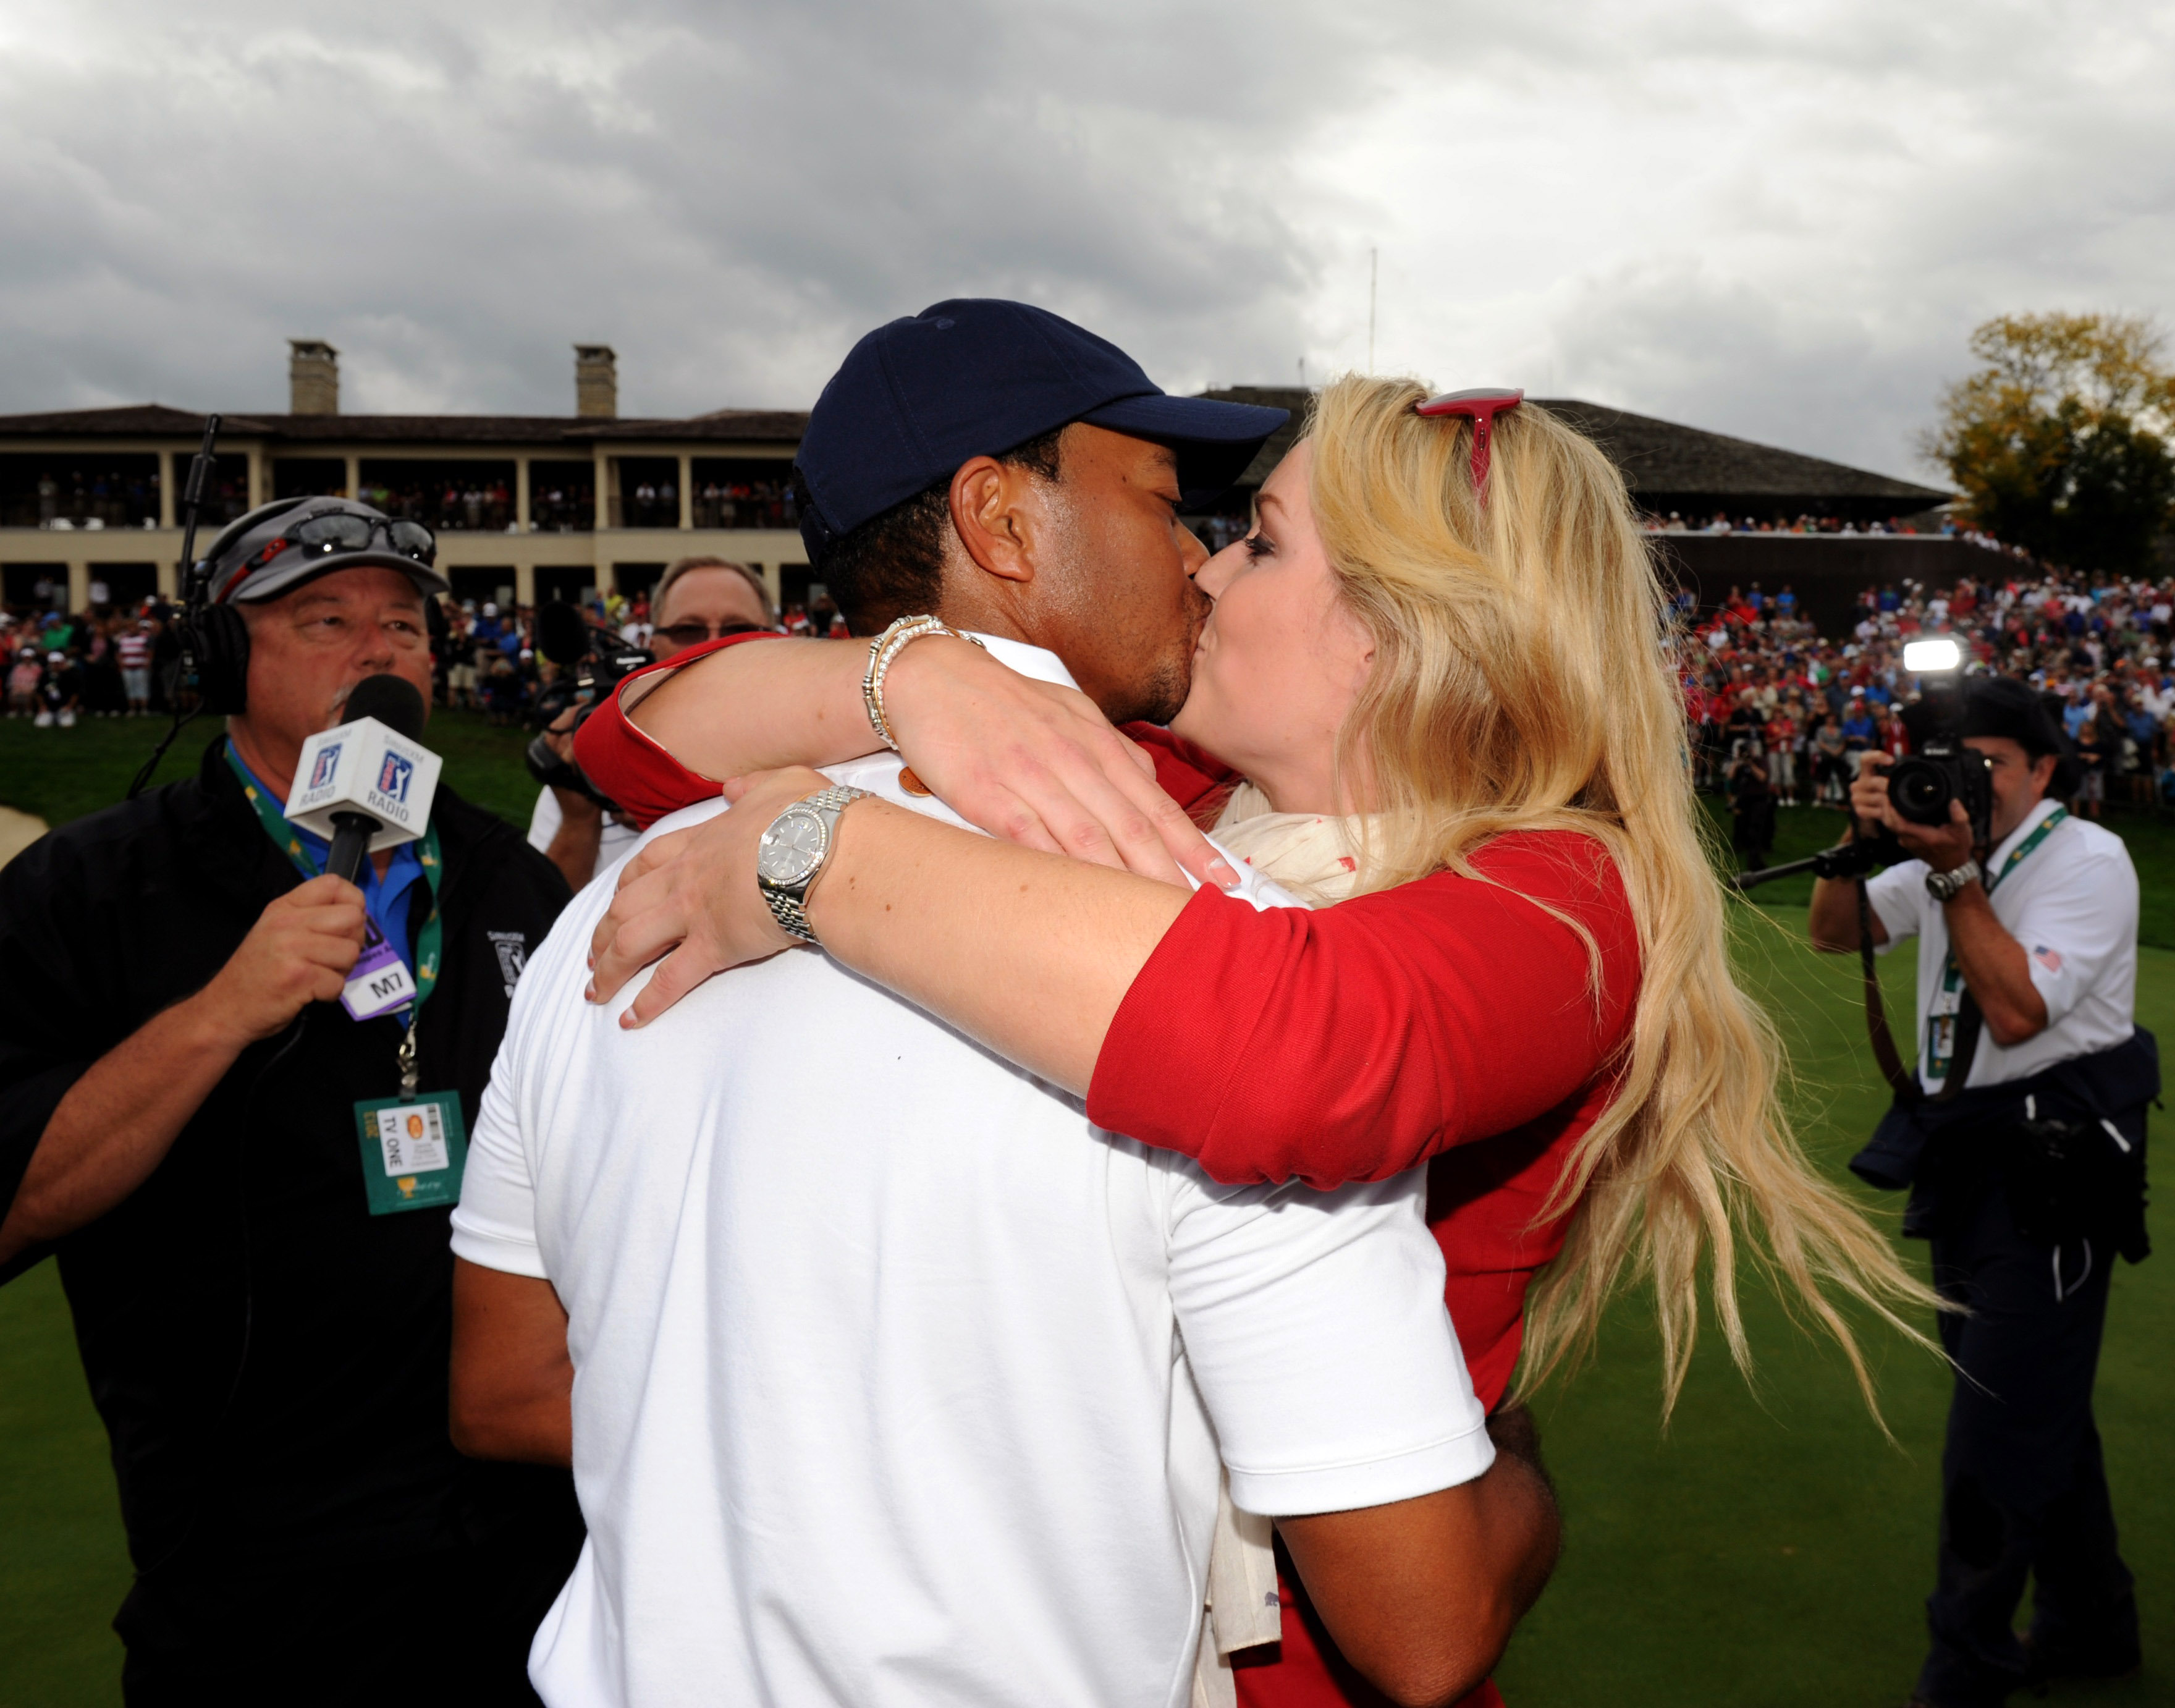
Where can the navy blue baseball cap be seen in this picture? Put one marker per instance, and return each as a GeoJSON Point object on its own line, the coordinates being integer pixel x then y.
{"type": "Point", "coordinates": [973, 378]}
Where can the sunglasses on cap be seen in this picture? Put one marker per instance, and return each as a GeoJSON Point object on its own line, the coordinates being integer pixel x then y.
{"type": "Point", "coordinates": [331, 531]}
{"type": "Point", "coordinates": [1482, 405]}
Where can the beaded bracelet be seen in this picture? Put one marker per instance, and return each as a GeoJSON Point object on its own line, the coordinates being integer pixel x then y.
{"type": "Point", "coordinates": [884, 651]}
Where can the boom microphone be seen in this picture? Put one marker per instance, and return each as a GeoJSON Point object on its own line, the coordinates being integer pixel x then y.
{"type": "Point", "coordinates": [368, 783]}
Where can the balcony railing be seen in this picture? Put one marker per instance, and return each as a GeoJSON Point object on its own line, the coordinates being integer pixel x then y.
{"type": "Point", "coordinates": [745, 504]}
{"type": "Point", "coordinates": [66, 491]}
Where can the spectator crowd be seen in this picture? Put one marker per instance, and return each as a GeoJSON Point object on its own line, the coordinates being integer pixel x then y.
{"type": "Point", "coordinates": [123, 658]}
{"type": "Point", "coordinates": [1782, 715]}
{"type": "Point", "coordinates": [1779, 714]}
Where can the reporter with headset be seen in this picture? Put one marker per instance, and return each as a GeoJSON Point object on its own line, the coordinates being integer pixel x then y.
{"type": "Point", "coordinates": [2027, 1175]}
{"type": "Point", "coordinates": [697, 600]}
{"type": "Point", "coordinates": [180, 1096]}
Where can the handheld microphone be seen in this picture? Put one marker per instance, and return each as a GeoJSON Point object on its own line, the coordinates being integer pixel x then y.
{"type": "Point", "coordinates": [368, 783]}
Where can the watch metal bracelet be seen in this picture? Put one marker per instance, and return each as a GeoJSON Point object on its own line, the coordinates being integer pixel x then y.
{"type": "Point", "coordinates": [1946, 887]}
{"type": "Point", "coordinates": [789, 903]}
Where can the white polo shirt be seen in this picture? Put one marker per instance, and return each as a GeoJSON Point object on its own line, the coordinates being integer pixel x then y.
{"type": "Point", "coordinates": [2072, 903]}
{"type": "Point", "coordinates": [897, 1382]}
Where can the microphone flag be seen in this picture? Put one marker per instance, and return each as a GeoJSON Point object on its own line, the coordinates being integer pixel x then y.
{"type": "Point", "coordinates": [364, 768]}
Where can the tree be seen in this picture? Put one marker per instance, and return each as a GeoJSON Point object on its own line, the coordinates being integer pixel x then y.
{"type": "Point", "coordinates": [2060, 440]}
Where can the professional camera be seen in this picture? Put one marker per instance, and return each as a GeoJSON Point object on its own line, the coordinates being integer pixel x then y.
{"type": "Point", "coordinates": [1941, 770]}
{"type": "Point", "coordinates": [592, 662]}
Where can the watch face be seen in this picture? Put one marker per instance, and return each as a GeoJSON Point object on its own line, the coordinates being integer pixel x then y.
{"type": "Point", "coordinates": [791, 848]}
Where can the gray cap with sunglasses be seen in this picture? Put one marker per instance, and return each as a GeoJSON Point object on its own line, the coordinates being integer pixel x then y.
{"type": "Point", "coordinates": [278, 546]}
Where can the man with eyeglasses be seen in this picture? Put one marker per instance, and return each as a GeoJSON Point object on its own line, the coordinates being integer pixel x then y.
{"type": "Point", "coordinates": [697, 600]}
{"type": "Point", "coordinates": [181, 1100]}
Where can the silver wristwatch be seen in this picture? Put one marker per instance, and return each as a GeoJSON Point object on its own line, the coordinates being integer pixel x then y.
{"type": "Point", "coordinates": [790, 856]}
{"type": "Point", "coordinates": [1946, 887]}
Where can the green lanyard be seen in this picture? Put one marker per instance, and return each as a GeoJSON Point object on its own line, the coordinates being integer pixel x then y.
{"type": "Point", "coordinates": [1940, 1028]}
{"type": "Point", "coordinates": [430, 941]}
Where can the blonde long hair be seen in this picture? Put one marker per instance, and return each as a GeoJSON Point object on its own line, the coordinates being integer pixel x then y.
{"type": "Point", "coordinates": [1522, 682]}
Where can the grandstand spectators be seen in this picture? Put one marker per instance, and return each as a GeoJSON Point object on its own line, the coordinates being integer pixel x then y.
{"type": "Point", "coordinates": [444, 504]}
{"type": "Point", "coordinates": [1758, 678]}
{"type": "Point", "coordinates": [2106, 649]}
{"type": "Point", "coordinates": [745, 504]}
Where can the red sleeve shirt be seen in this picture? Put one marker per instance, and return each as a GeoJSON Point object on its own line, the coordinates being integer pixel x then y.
{"type": "Point", "coordinates": [1356, 1041]}
{"type": "Point", "coordinates": [647, 782]}
{"type": "Point", "coordinates": [643, 780]}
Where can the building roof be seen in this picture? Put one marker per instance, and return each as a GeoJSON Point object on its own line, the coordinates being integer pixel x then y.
{"type": "Point", "coordinates": [157, 420]}
{"type": "Point", "coordinates": [1664, 463]}
{"type": "Point", "coordinates": [1661, 461]}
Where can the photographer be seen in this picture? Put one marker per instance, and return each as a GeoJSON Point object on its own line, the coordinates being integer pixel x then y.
{"type": "Point", "coordinates": [697, 600]}
{"type": "Point", "coordinates": [185, 1114]}
{"type": "Point", "coordinates": [2026, 1172]}
{"type": "Point", "coordinates": [1751, 800]}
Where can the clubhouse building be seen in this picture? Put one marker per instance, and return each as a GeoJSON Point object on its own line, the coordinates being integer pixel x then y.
{"type": "Point", "coordinates": [531, 507]}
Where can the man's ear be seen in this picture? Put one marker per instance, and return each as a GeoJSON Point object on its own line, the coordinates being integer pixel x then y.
{"type": "Point", "coordinates": [996, 512]}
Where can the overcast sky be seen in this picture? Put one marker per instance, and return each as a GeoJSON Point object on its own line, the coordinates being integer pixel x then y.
{"type": "Point", "coordinates": [1777, 220]}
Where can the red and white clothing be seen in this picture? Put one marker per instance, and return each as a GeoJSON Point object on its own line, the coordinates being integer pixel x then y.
{"type": "Point", "coordinates": [902, 1382]}
{"type": "Point", "coordinates": [1448, 1022]}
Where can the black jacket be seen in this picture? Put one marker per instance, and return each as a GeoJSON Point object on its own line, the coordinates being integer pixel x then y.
{"type": "Point", "coordinates": [1949, 1151]}
{"type": "Point", "coordinates": [328, 1438]}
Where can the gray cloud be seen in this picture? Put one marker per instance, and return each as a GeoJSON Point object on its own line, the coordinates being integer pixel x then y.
{"type": "Point", "coordinates": [1778, 221]}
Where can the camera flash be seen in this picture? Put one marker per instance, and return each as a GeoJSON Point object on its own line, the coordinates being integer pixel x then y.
{"type": "Point", "coordinates": [1931, 658]}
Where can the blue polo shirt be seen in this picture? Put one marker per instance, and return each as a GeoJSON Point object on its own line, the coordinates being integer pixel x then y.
{"type": "Point", "coordinates": [384, 899]}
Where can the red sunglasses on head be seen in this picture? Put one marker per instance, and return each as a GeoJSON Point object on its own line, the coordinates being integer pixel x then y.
{"type": "Point", "coordinates": [1482, 404]}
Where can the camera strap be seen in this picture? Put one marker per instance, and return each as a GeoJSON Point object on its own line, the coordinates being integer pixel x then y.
{"type": "Point", "coordinates": [1900, 1079]}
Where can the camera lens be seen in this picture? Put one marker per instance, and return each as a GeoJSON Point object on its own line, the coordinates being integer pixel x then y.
{"type": "Point", "coordinates": [1921, 791]}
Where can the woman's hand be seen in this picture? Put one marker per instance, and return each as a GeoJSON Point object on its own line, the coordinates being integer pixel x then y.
{"type": "Point", "coordinates": [692, 898]}
{"type": "Point", "coordinates": [1038, 764]}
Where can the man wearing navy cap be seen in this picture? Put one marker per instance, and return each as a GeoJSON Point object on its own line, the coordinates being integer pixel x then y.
{"type": "Point", "coordinates": [996, 461]}
{"type": "Point", "coordinates": [906, 1385]}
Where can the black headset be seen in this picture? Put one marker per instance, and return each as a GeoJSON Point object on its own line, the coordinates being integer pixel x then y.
{"type": "Point", "coordinates": [214, 640]}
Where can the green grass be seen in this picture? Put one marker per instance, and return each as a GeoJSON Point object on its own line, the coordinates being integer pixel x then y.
{"type": "Point", "coordinates": [63, 1563]}
{"type": "Point", "coordinates": [2149, 833]}
{"type": "Point", "coordinates": [61, 774]}
{"type": "Point", "coordinates": [1769, 1549]}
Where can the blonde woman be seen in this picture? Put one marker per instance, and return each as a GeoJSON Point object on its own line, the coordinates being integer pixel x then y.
{"type": "Point", "coordinates": [1444, 715]}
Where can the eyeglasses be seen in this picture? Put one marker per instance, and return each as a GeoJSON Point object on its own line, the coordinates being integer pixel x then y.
{"type": "Point", "coordinates": [693, 634]}
{"type": "Point", "coordinates": [1482, 404]}
{"type": "Point", "coordinates": [343, 530]}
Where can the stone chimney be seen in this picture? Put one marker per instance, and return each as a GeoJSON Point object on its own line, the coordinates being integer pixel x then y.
{"type": "Point", "coordinates": [312, 378]}
{"type": "Point", "coordinates": [596, 380]}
